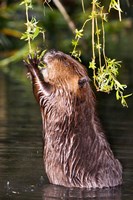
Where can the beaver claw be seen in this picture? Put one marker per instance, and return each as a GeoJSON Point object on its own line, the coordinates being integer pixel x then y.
{"type": "Point", "coordinates": [32, 61]}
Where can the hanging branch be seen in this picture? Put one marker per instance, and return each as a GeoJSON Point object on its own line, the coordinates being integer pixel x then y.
{"type": "Point", "coordinates": [32, 28]}
{"type": "Point", "coordinates": [104, 76]}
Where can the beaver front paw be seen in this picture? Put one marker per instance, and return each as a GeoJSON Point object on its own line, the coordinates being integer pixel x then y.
{"type": "Point", "coordinates": [32, 61]}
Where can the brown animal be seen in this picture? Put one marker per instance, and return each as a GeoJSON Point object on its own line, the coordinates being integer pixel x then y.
{"type": "Point", "coordinates": [76, 153]}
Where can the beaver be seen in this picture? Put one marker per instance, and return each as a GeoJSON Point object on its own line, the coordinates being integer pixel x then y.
{"type": "Point", "coordinates": [76, 152]}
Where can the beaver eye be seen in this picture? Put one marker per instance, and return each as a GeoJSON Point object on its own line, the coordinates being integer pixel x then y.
{"type": "Point", "coordinates": [82, 81]}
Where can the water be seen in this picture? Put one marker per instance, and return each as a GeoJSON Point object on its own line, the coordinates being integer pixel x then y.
{"type": "Point", "coordinates": [21, 167]}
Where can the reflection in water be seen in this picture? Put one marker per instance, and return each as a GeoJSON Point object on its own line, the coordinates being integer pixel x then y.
{"type": "Point", "coordinates": [52, 191]}
{"type": "Point", "coordinates": [3, 112]}
{"type": "Point", "coordinates": [21, 167]}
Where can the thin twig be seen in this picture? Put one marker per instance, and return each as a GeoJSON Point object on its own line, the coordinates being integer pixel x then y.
{"type": "Point", "coordinates": [27, 20]}
{"type": "Point", "coordinates": [93, 40]}
{"type": "Point", "coordinates": [98, 43]}
{"type": "Point", "coordinates": [119, 10]}
{"type": "Point", "coordinates": [93, 31]}
{"type": "Point", "coordinates": [83, 7]}
{"type": "Point", "coordinates": [65, 15]}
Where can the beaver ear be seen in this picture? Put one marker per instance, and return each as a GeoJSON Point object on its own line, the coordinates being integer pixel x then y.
{"type": "Point", "coordinates": [82, 81]}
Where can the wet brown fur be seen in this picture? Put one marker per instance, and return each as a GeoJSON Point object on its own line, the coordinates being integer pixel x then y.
{"type": "Point", "coordinates": [76, 153]}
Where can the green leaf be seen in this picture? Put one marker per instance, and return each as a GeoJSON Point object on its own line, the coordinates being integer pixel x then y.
{"type": "Point", "coordinates": [117, 95]}
{"type": "Point", "coordinates": [128, 95]}
{"type": "Point", "coordinates": [37, 30]}
{"type": "Point", "coordinates": [79, 33]}
{"type": "Point", "coordinates": [42, 54]}
{"type": "Point", "coordinates": [119, 85]}
{"type": "Point", "coordinates": [24, 36]}
{"type": "Point", "coordinates": [123, 102]}
{"type": "Point", "coordinates": [22, 3]}
{"type": "Point", "coordinates": [92, 65]}
{"type": "Point", "coordinates": [74, 42]}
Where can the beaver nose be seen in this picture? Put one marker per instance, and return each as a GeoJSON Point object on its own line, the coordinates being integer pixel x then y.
{"type": "Point", "coordinates": [49, 56]}
{"type": "Point", "coordinates": [52, 52]}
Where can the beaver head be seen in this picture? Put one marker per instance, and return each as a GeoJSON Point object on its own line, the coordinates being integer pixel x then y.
{"type": "Point", "coordinates": [63, 70]}
{"type": "Point", "coordinates": [76, 153]}
{"type": "Point", "coordinates": [62, 89]}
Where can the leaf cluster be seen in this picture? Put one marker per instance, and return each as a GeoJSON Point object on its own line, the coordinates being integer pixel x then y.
{"type": "Point", "coordinates": [104, 75]}
{"type": "Point", "coordinates": [32, 28]}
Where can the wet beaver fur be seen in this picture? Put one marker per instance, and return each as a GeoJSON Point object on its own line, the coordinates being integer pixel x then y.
{"type": "Point", "coordinates": [76, 153]}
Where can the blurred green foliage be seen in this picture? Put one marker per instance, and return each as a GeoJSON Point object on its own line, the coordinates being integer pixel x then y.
{"type": "Point", "coordinates": [58, 35]}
